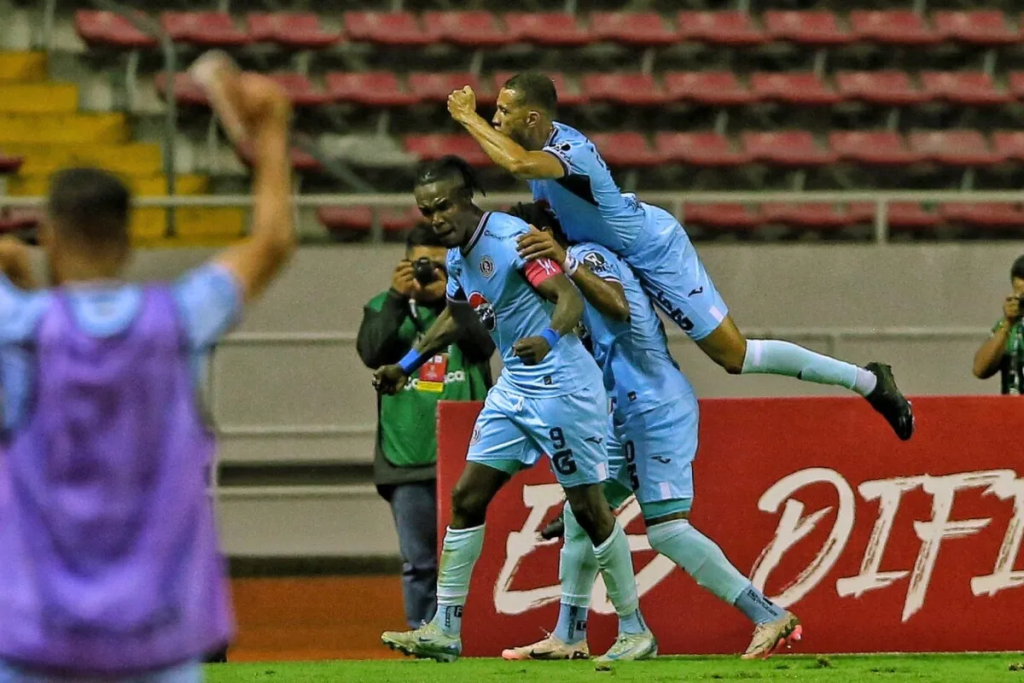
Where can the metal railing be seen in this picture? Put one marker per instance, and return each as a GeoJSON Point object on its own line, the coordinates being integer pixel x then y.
{"type": "Point", "coordinates": [676, 202]}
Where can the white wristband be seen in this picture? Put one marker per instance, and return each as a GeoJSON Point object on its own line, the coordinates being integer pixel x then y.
{"type": "Point", "coordinates": [570, 265]}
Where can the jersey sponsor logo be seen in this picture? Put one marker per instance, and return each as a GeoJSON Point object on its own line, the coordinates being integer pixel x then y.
{"type": "Point", "coordinates": [486, 266]}
{"type": "Point", "coordinates": [595, 262]}
{"type": "Point", "coordinates": [484, 309]}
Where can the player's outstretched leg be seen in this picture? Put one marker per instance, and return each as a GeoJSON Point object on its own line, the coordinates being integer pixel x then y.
{"type": "Point", "coordinates": [441, 638]}
{"type": "Point", "coordinates": [701, 558]}
{"type": "Point", "coordinates": [577, 571]}
{"type": "Point", "coordinates": [730, 349]}
{"type": "Point", "coordinates": [589, 507]}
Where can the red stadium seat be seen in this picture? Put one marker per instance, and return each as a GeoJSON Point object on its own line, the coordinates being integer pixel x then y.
{"type": "Point", "coordinates": [810, 28]}
{"type": "Point", "coordinates": [1015, 81]}
{"type": "Point", "coordinates": [16, 220]}
{"type": "Point", "coordinates": [186, 91]}
{"type": "Point", "coordinates": [715, 88]}
{"type": "Point", "coordinates": [469, 29]}
{"type": "Point", "coordinates": [982, 27]}
{"type": "Point", "coordinates": [901, 216]}
{"type": "Point", "coordinates": [435, 146]}
{"type": "Point", "coordinates": [990, 215]}
{"type": "Point", "coordinates": [204, 29]}
{"type": "Point", "coordinates": [971, 88]}
{"type": "Point", "coordinates": [626, 150]}
{"type": "Point", "coordinates": [301, 30]}
{"type": "Point", "coordinates": [300, 90]}
{"type": "Point", "coordinates": [890, 88]}
{"type": "Point", "coordinates": [569, 94]}
{"type": "Point", "coordinates": [955, 147]}
{"type": "Point", "coordinates": [732, 29]}
{"type": "Point", "coordinates": [893, 27]}
{"type": "Point", "coordinates": [1009, 143]}
{"type": "Point", "coordinates": [436, 87]}
{"type": "Point", "coordinates": [625, 88]}
{"type": "Point", "coordinates": [368, 88]}
{"type": "Point", "coordinates": [787, 148]}
{"type": "Point", "coordinates": [555, 29]}
{"type": "Point", "coordinates": [10, 164]}
{"type": "Point", "coordinates": [877, 148]}
{"type": "Point", "coordinates": [723, 216]}
{"type": "Point", "coordinates": [106, 29]}
{"type": "Point", "coordinates": [704, 149]}
{"type": "Point", "coordinates": [360, 219]}
{"type": "Point", "coordinates": [797, 88]}
{"type": "Point", "coordinates": [641, 29]}
{"type": "Point", "coordinates": [821, 217]}
{"type": "Point", "coordinates": [400, 29]}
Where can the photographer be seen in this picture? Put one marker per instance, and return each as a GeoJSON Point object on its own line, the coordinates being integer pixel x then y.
{"type": "Point", "coordinates": [1004, 350]}
{"type": "Point", "coordinates": [406, 450]}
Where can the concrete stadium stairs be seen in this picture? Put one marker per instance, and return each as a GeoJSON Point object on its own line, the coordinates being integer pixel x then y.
{"type": "Point", "coordinates": [40, 121]}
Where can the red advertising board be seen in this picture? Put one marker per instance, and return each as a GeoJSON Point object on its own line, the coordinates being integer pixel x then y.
{"type": "Point", "coordinates": [877, 545]}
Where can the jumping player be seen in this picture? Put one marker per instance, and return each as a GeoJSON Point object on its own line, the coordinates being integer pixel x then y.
{"type": "Point", "coordinates": [109, 567]}
{"type": "Point", "coordinates": [549, 400]}
{"type": "Point", "coordinates": [566, 171]}
{"type": "Point", "coordinates": [652, 447]}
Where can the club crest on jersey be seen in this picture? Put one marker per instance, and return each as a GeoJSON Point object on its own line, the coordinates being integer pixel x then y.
{"type": "Point", "coordinates": [595, 262]}
{"type": "Point", "coordinates": [484, 309]}
{"type": "Point", "coordinates": [486, 266]}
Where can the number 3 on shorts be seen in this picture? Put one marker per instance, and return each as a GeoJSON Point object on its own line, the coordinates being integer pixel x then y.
{"type": "Point", "coordinates": [561, 458]}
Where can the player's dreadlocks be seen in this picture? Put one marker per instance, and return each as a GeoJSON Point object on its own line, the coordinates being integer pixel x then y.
{"type": "Point", "coordinates": [449, 166]}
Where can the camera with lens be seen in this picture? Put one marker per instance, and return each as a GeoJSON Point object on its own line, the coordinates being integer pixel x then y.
{"type": "Point", "coordinates": [424, 270]}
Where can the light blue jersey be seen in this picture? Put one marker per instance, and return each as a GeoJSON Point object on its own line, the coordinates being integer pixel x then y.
{"type": "Point", "coordinates": [498, 284]}
{"type": "Point", "coordinates": [591, 208]}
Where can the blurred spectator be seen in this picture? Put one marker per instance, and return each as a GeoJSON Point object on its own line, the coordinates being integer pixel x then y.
{"type": "Point", "coordinates": [406, 450]}
{"type": "Point", "coordinates": [1003, 352]}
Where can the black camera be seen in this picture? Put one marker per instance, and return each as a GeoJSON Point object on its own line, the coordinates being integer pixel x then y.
{"type": "Point", "coordinates": [424, 270]}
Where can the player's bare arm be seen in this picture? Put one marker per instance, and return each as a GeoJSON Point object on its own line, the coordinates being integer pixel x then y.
{"type": "Point", "coordinates": [607, 296]}
{"type": "Point", "coordinates": [390, 379]}
{"type": "Point", "coordinates": [502, 149]}
{"type": "Point", "coordinates": [16, 263]}
{"type": "Point", "coordinates": [258, 111]}
{"type": "Point", "coordinates": [567, 314]}
{"type": "Point", "coordinates": [990, 356]}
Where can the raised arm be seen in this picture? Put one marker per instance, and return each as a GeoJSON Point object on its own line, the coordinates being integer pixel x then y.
{"type": "Point", "coordinates": [503, 150]}
{"type": "Point", "coordinates": [256, 111]}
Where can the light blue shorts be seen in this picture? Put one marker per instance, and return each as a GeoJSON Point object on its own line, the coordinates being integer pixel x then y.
{"type": "Point", "coordinates": [512, 432]}
{"type": "Point", "coordinates": [673, 276]}
{"type": "Point", "coordinates": [190, 672]}
{"type": "Point", "coordinates": [655, 454]}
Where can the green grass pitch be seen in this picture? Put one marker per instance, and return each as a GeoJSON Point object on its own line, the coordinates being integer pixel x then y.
{"type": "Point", "coordinates": [834, 669]}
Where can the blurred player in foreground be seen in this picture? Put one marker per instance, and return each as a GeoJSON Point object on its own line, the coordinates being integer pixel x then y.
{"type": "Point", "coordinates": [651, 451]}
{"type": "Point", "coordinates": [566, 172]}
{"type": "Point", "coordinates": [109, 566]}
{"type": "Point", "coordinates": [549, 400]}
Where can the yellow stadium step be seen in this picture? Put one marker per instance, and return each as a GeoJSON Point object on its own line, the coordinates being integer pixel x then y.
{"type": "Point", "coordinates": [140, 159]}
{"type": "Point", "coordinates": [152, 186]}
{"type": "Point", "coordinates": [38, 98]}
{"type": "Point", "coordinates": [63, 128]}
{"type": "Point", "coordinates": [20, 67]}
{"type": "Point", "coordinates": [195, 226]}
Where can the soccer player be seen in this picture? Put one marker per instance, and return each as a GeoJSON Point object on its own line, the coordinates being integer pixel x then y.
{"type": "Point", "coordinates": [566, 171]}
{"type": "Point", "coordinates": [549, 399]}
{"type": "Point", "coordinates": [109, 567]}
{"type": "Point", "coordinates": [652, 446]}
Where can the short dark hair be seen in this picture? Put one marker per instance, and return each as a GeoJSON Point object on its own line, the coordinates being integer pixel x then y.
{"type": "Point", "coordinates": [91, 205]}
{"type": "Point", "coordinates": [1017, 270]}
{"type": "Point", "coordinates": [422, 235]}
{"type": "Point", "coordinates": [535, 90]}
{"type": "Point", "coordinates": [446, 168]}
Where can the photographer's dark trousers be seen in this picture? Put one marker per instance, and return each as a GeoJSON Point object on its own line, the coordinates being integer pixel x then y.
{"type": "Point", "coordinates": [414, 507]}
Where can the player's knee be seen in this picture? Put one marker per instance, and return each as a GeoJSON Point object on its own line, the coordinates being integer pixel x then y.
{"type": "Point", "coordinates": [469, 505]}
{"type": "Point", "coordinates": [732, 363]}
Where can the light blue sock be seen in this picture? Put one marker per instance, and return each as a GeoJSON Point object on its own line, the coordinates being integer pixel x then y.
{"type": "Point", "coordinates": [758, 608]}
{"type": "Point", "coordinates": [770, 356]}
{"type": "Point", "coordinates": [700, 557]}
{"type": "Point", "coordinates": [616, 563]}
{"type": "Point", "coordinates": [459, 554]}
{"type": "Point", "coordinates": [577, 571]}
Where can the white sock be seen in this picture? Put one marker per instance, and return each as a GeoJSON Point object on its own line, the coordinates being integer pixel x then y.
{"type": "Point", "coordinates": [774, 357]}
{"type": "Point", "coordinates": [577, 566]}
{"type": "Point", "coordinates": [616, 563]}
{"type": "Point", "coordinates": [459, 554]}
{"type": "Point", "coordinates": [700, 557]}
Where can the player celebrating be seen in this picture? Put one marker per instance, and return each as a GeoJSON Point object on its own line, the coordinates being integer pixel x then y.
{"type": "Point", "coordinates": [566, 171]}
{"type": "Point", "coordinates": [652, 448]}
{"type": "Point", "coordinates": [109, 568]}
{"type": "Point", "coordinates": [548, 399]}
